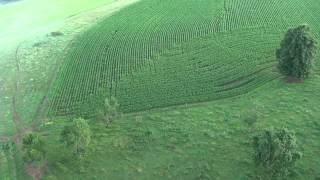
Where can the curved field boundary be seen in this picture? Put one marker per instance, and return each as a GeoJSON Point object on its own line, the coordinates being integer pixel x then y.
{"type": "Point", "coordinates": [126, 50]}
{"type": "Point", "coordinates": [123, 43]}
{"type": "Point", "coordinates": [202, 70]}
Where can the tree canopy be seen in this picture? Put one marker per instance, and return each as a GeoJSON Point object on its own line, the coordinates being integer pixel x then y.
{"type": "Point", "coordinates": [276, 152]}
{"type": "Point", "coordinates": [33, 147]}
{"type": "Point", "coordinates": [296, 53]}
{"type": "Point", "coordinates": [77, 136]}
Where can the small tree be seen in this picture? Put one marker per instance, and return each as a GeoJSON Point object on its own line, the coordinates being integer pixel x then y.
{"type": "Point", "coordinates": [33, 148]}
{"type": "Point", "coordinates": [276, 153]}
{"type": "Point", "coordinates": [110, 110]}
{"type": "Point", "coordinates": [8, 150]}
{"type": "Point", "coordinates": [77, 136]}
{"type": "Point", "coordinates": [296, 53]}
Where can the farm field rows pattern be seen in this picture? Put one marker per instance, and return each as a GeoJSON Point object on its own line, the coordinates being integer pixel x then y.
{"type": "Point", "coordinates": [161, 53]}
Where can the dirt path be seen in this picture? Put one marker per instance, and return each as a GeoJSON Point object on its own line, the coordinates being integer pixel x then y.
{"type": "Point", "coordinates": [36, 172]}
{"type": "Point", "coordinates": [73, 26]}
{"type": "Point", "coordinates": [4, 139]}
{"type": "Point", "coordinates": [15, 115]}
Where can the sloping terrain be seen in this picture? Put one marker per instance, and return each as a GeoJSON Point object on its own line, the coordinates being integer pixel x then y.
{"type": "Point", "coordinates": [162, 53]}
{"type": "Point", "coordinates": [27, 41]}
{"type": "Point", "coordinates": [211, 140]}
{"type": "Point", "coordinates": [192, 72]}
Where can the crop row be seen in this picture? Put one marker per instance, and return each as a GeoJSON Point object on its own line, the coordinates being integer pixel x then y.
{"type": "Point", "coordinates": [272, 13]}
{"type": "Point", "coordinates": [163, 52]}
{"type": "Point", "coordinates": [203, 70]}
{"type": "Point", "coordinates": [123, 43]}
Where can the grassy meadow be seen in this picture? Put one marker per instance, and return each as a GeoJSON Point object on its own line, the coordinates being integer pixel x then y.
{"type": "Point", "coordinates": [200, 141]}
{"type": "Point", "coordinates": [28, 19]}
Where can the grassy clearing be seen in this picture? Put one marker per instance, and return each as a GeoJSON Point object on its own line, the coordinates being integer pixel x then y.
{"type": "Point", "coordinates": [19, 22]}
{"type": "Point", "coordinates": [203, 141]}
{"type": "Point", "coordinates": [38, 60]}
{"type": "Point", "coordinates": [156, 53]}
{"type": "Point", "coordinates": [28, 19]}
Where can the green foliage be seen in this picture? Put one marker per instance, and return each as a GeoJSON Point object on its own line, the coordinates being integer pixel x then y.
{"type": "Point", "coordinates": [250, 117]}
{"type": "Point", "coordinates": [94, 104]}
{"type": "Point", "coordinates": [77, 136]}
{"type": "Point", "coordinates": [51, 177]}
{"type": "Point", "coordinates": [297, 52]}
{"type": "Point", "coordinates": [276, 153]}
{"type": "Point", "coordinates": [110, 110]}
{"type": "Point", "coordinates": [13, 161]}
{"type": "Point", "coordinates": [33, 148]}
{"type": "Point", "coordinates": [7, 147]}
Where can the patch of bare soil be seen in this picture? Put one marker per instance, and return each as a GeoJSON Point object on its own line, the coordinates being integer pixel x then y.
{"type": "Point", "coordinates": [4, 139]}
{"type": "Point", "coordinates": [292, 80]}
{"type": "Point", "coordinates": [35, 171]}
{"type": "Point", "coordinates": [56, 33]}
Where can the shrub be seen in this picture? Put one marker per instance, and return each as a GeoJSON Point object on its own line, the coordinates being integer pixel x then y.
{"type": "Point", "coordinates": [276, 153]}
{"type": "Point", "coordinates": [33, 148]}
{"type": "Point", "coordinates": [7, 147]}
{"type": "Point", "coordinates": [110, 110]}
{"type": "Point", "coordinates": [56, 33]}
{"type": "Point", "coordinates": [77, 136]}
{"type": "Point", "coordinates": [250, 117]}
{"type": "Point", "coordinates": [296, 53]}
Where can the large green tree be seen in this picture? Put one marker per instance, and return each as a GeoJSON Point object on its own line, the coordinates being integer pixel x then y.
{"type": "Point", "coordinates": [297, 52]}
{"type": "Point", "coordinates": [276, 153]}
{"type": "Point", "coordinates": [77, 136]}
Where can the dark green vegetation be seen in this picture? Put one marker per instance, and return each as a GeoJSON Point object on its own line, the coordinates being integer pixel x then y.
{"type": "Point", "coordinates": [11, 162]}
{"type": "Point", "coordinates": [77, 136]}
{"type": "Point", "coordinates": [33, 148]}
{"type": "Point", "coordinates": [297, 53]}
{"type": "Point", "coordinates": [276, 153]}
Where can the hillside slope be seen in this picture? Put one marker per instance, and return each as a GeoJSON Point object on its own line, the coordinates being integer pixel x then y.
{"type": "Point", "coordinates": [162, 53]}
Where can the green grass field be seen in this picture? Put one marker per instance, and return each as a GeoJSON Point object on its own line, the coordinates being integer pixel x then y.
{"type": "Point", "coordinates": [187, 74]}
{"type": "Point", "coordinates": [201, 141]}
{"type": "Point", "coordinates": [25, 38]}
{"type": "Point", "coordinates": [30, 18]}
